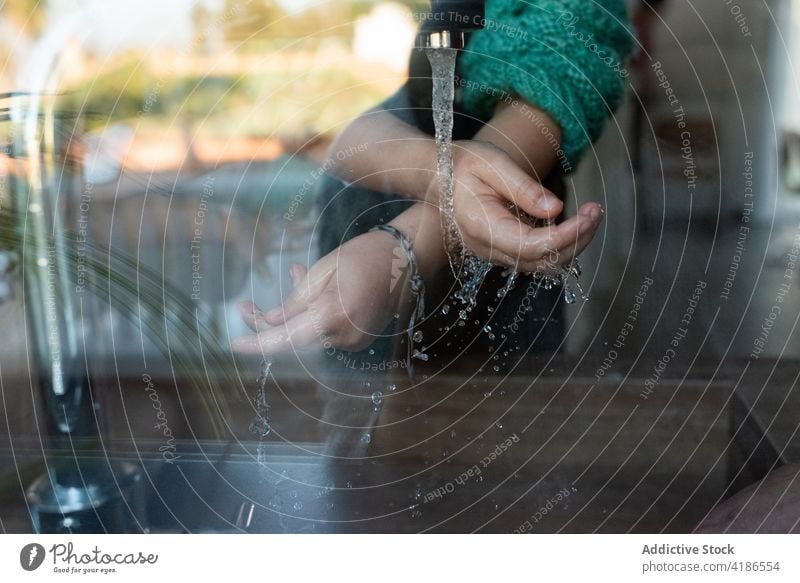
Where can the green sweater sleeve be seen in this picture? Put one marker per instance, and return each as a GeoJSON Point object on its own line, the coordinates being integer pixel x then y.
{"type": "Point", "coordinates": [565, 57]}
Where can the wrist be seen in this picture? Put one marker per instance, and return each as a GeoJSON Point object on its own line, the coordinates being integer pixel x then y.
{"type": "Point", "coordinates": [528, 135]}
{"type": "Point", "coordinates": [421, 224]}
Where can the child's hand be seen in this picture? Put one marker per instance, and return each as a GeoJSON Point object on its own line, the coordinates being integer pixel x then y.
{"type": "Point", "coordinates": [486, 180]}
{"type": "Point", "coordinates": [345, 300]}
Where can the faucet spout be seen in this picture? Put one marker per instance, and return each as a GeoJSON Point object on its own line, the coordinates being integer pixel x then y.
{"type": "Point", "coordinates": [446, 23]}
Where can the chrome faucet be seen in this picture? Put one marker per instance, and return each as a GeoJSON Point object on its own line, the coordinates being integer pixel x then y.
{"type": "Point", "coordinates": [445, 25]}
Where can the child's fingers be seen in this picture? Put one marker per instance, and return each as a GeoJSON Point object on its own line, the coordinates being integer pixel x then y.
{"type": "Point", "coordinates": [512, 243]}
{"type": "Point", "coordinates": [493, 232]}
{"type": "Point", "coordinates": [296, 334]}
{"type": "Point", "coordinates": [561, 243]}
{"type": "Point", "coordinates": [568, 234]}
{"type": "Point", "coordinates": [503, 175]}
{"type": "Point", "coordinates": [252, 315]}
{"type": "Point", "coordinates": [297, 271]}
{"type": "Point", "coordinates": [309, 287]}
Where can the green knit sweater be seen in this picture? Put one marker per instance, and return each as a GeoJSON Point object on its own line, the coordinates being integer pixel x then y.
{"type": "Point", "coordinates": [565, 57]}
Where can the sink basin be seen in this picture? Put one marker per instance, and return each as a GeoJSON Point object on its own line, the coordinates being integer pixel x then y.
{"type": "Point", "coordinates": [452, 456]}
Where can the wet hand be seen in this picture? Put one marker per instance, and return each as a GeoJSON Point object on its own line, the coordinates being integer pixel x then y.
{"type": "Point", "coordinates": [486, 180]}
{"type": "Point", "coordinates": [345, 300]}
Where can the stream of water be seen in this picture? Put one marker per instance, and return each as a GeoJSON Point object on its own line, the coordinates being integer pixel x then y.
{"type": "Point", "coordinates": [260, 426]}
{"type": "Point", "coordinates": [443, 66]}
{"type": "Point", "coordinates": [469, 269]}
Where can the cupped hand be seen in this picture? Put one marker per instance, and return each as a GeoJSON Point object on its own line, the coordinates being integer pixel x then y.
{"type": "Point", "coordinates": [486, 180]}
{"type": "Point", "coordinates": [344, 301]}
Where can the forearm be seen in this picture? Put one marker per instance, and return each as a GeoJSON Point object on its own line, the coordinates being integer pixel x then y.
{"type": "Point", "coordinates": [381, 152]}
{"type": "Point", "coordinates": [528, 135]}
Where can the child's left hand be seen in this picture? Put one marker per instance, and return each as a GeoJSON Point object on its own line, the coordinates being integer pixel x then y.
{"type": "Point", "coordinates": [345, 300]}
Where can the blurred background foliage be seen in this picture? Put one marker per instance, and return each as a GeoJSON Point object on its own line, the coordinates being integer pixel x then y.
{"type": "Point", "coordinates": [246, 70]}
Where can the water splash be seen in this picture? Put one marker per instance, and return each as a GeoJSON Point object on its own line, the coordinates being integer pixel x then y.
{"type": "Point", "coordinates": [468, 268]}
{"type": "Point", "coordinates": [260, 425]}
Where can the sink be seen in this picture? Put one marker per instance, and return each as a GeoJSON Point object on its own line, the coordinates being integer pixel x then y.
{"type": "Point", "coordinates": [449, 455]}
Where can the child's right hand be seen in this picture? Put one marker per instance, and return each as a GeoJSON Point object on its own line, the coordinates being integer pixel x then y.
{"type": "Point", "coordinates": [486, 180]}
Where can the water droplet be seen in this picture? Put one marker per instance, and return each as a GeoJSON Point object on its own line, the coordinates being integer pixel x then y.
{"type": "Point", "coordinates": [496, 368]}
{"type": "Point", "coordinates": [366, 438]}
{"type": "Point", "coordinates": [420, 356]}
{"type": "Point", "coordinates": [293, 494]}
{"type": "Point", "coordinates": [487, 329]}
{"type": "Point", "coordinates": [371, 351]}
{"type": "Point", "coordinates": [445, 309]}
{"type": "Point", "coordinates": [260, 427]}
{"type": "Point", "coordinates": [462, 315]}
{"type": "Point", "coordinates": [377, 399]}
{"type": "Point", "coordinates": [298, 505]}
{"type": "Point", "coordinates": [392, 388]}
{"type": "Point", "coordinates": [417, 337]}
{"type": "Point", "coordinates": [498, 425]}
